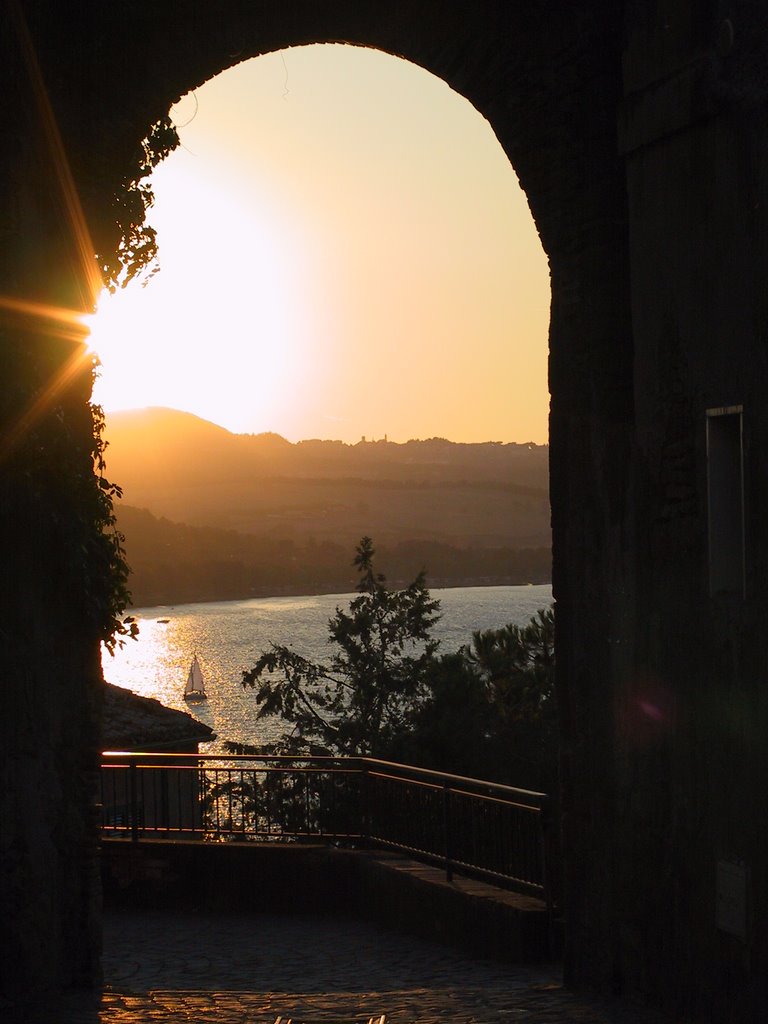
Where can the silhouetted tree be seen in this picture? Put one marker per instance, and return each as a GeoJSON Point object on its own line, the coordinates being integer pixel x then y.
{"type": "Point", "coordinates": [365, 697]}
{"type": "Point", "coordinates": [517, 664]}
{"type": "Point", "coordinates": [491, 711]}
{"type": "Point", "coordinates": [487, 710]}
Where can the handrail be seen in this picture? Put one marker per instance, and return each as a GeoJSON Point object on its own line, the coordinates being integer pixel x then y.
{"type": "Point", "coordinates": [321, 759]}
{"type": "Point", "coordinates": [473, 826]}
{"type": "Point", "coordinates": [464, 779]}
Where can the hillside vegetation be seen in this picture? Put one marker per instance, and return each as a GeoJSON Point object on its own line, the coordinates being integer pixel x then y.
{"type": "Point", "coordinates": [209, 515]}
{"type": "Point", "coordinates": [174, 563]}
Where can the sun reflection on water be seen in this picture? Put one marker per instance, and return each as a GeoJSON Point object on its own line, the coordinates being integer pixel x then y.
{"type": "Point", "coordinates": [228, 637]}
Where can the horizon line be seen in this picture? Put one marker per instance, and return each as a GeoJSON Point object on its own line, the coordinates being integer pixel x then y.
{"type": "Point", "coordinates": [364, 439]}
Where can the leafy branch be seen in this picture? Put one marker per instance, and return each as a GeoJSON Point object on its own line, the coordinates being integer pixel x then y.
{"type": "Point", "coordinates": [377, 674]}
{"type": "Point", "coordinates": [132, 248]}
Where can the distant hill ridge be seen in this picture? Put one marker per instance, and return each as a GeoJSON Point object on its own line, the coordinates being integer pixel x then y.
{"type": "Point", "coordinates": [176, 422]}
{"type": "Point", "coordinates": [168, 433]}
{"type": "Point", "coordinates": [179, 467]}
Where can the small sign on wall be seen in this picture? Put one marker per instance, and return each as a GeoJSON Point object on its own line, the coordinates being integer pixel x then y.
{"type": "Point", "coordinates": [725, 498]}
{"type": "Point", "coordinates": [731, 898]}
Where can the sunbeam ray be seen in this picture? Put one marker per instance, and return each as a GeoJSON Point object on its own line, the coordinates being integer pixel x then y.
{"type": "Point", "coordinates": [89, 276]}
{"type": "Point", "coordinates": [52, 321]}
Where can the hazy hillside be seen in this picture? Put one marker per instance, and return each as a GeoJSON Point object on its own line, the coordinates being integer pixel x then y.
{"type": "Point", "coordinates": [174, 563]}
{"type": "Point", "coordinates": [191, 471]}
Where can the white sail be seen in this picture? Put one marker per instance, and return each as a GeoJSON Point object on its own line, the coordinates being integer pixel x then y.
{"type": "Point", "coordinates": [195, 688]}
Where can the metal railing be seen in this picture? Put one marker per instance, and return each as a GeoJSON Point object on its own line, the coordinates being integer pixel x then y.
{"type": "Point", "coordinates": [481, 829]}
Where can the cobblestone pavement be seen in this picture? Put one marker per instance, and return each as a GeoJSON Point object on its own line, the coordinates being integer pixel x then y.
{"type": "Point", "coordinates": [174, 967]}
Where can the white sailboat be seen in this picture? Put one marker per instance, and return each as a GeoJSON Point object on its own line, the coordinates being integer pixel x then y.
{"type": "Point", "coordinates": [195, 688]}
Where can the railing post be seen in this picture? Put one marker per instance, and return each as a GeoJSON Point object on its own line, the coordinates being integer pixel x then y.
{"type": "Point", "coordinates": [547, 858]}
{"type": "Point", "coordinates": [197, 800]}
{"type": "Point", "coordinates": [365, 824]}
{"type": "Point", "coordinates": [134, 799]}
{"type": "Point", "coordinates": [447, 831]}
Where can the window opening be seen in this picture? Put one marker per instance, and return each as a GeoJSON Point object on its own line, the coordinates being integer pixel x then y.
{"type": "Point", "coordinates": [725, 483]}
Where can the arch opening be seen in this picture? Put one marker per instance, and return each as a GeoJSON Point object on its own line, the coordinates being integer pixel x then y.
{"type": "Point", "coordinates": [345, 252]}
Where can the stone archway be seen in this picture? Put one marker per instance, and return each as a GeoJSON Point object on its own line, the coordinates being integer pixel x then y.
{"type": "Point", "coordinates": [549, 81]}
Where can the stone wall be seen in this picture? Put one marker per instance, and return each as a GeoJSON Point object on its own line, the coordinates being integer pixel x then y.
{"type": "Point", "coordinates": [49, 897]}
{"type": "Point", "coordinates": [305, 879]}
{"type": "Point", "coordinates": [691, 709]}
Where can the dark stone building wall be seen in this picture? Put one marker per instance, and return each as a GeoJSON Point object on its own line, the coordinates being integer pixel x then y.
{"type": "Point", "coordinates": [638, 131]}
{"type": "Point", "coordinates": [49, 655]}
{"type": "Point", "coordinates": [690, 700]}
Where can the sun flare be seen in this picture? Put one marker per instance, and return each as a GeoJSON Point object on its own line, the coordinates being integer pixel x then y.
{"type": "Point", "coordinates": [214, 332]}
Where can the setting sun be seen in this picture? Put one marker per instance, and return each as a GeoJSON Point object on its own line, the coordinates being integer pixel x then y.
{"type": "Point", "coordinates": [344, 250]}
{"type": "Point", "coordinates": [219, 321]}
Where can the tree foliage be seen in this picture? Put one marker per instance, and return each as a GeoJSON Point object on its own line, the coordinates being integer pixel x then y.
{"type": "Point", "coordinates": [516, 664]}
{"type": "Point", "coordinates": [131, 247]}
{"type": "Point", "coordinates": [487, 710]}
{"type": "Point", "coordinates": [492, 711]}
{"type": "Point", "coordinates": [106, 584]}
{"type": "Point", "coordinates": [364, 698]}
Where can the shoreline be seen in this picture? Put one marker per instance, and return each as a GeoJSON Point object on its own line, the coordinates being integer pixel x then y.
{"type": "Point", "coordinates": [323, 589]}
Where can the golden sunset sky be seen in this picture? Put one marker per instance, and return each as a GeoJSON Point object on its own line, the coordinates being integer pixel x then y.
{"type": "Point", "coordinates": [344, 251]}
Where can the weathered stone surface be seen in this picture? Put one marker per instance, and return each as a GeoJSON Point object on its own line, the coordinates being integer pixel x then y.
{"type": "Point", "coordinates": [468, 915]}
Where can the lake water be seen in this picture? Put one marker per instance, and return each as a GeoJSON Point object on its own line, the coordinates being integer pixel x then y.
{"type": "Point", "coordinates": [228, 636]}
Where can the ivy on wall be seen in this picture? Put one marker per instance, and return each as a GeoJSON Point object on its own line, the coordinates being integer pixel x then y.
{"type": "Point", "coordinates": [106, 592]}
{"type": "Point", "coordinates": [131, 250]}
{"type": "Point", "coordinates": [133, 245]}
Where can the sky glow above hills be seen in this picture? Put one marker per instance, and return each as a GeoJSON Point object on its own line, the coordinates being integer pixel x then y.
{"type": "Point", "coordinates": [344, 251]}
